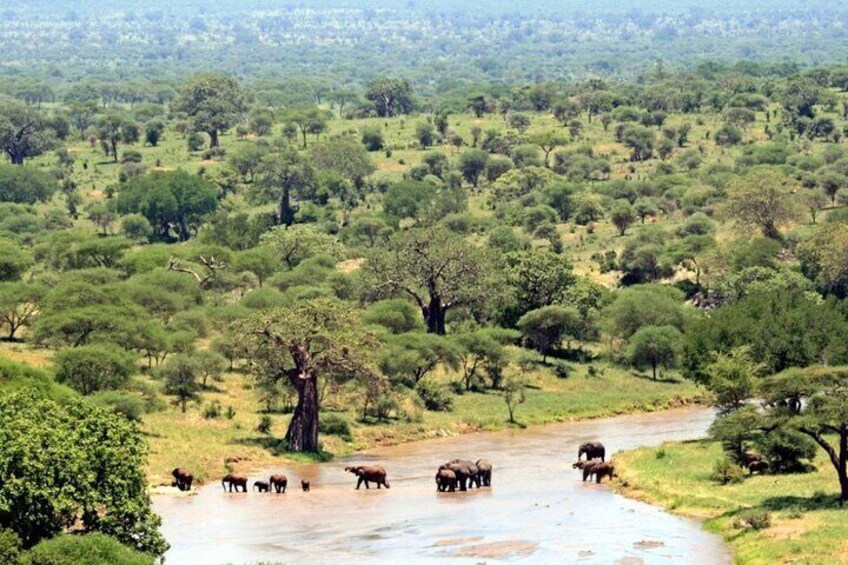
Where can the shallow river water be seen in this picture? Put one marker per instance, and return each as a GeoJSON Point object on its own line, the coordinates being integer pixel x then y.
{"type": "Point", "coordinates": [537, 511]}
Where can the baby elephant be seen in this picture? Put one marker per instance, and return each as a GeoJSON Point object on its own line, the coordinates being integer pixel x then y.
{"type": "Point", "coordinates": [602, 470]}
{"type": "Point", "coordinates": [279, 483]}
{"type": "Point", "coordinates": [262, 486]}
{"type": "Point", "coordinates": [305, 485]}
{"type": "Point", "coordinates": [588, 467]}
{"type": "Point", "coordinates": [445, 480]}
{"type": "Point", "coordinates": [369, 474]}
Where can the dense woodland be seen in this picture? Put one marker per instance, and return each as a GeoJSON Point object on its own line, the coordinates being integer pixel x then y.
{"type": "Point", "coordinates": [386, 249]}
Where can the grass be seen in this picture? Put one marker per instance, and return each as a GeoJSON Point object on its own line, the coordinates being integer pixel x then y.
{"type": "Point", "coordinates": [807, 524]}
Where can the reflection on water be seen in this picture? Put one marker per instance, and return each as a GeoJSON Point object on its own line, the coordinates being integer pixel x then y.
{"type": "Point", "coordinates": [537, 510]}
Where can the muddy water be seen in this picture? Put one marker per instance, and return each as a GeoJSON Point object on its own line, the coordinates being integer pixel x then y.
{"type": "Point", "coordinates": [537, 511]}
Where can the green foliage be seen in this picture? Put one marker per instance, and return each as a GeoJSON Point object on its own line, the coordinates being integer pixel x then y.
{"type": "Point", "coordinates": [14, 261]}
{"type": "Point", "coordinates": [94, 368]}
{"type": "Point", "coordinates": [213, 103]}
{"type": "Point", "coordinates": [727, 472]}
{"type": "Point", "coordinates": [546, 327]}
{"type": "Point", "coordinates": [407, 358]}
{"type": "Point", "coordinates": [128, 404]}
{"type": "Point", "coordinates": [181, 374]}
{"type": "Point", "coordinates": [435, 396]}
{"type": "Point", "coordinates": [754, 518]}
{"type": "Point", "coordinates": [395, 314]}
{"type": "Point", "coordinates": [336, 425]}
{"type": "Point", "coordinates": [655, 346]}
{"type": "Point", "coordinates": [644, 305]}
{"type": "Point", "coordinates": [89, 549]}
{"type": "Point", "coordinates": [10, 547]}
{"type": "Point", "coordinates": [73, 462]}
{"type": "Point", "coordinates": [24, 185]}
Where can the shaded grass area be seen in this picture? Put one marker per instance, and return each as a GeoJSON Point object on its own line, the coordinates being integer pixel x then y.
{"type": "Point", "coordinates": [807, 523]}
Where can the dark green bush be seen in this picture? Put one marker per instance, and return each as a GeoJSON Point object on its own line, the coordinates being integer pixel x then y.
{"type": "Point", "coordinates": [336, 425]}
{"type": "Point", "coordinates": [90, 549]}
{"type": "Point", "coordinates": [727, 472]}
{"type": "Point", "coordinates": [127, 403]}
{"type": "Point", "coordinates": [435, 397]}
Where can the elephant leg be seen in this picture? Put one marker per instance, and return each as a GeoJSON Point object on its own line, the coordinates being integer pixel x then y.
{"type": "Point", "coordinates": [379, 485]}
{"type": "Point", "coordinates": [367, 485]}
{"type": "Point", "coordinates": [358, 483]}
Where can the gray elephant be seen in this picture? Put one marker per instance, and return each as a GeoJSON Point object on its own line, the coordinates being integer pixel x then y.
{"type": "Point", "coordinates": [465, 470]}
{"type": "Point", "coordinates": [592, 449]}
{"type": "Point", "coordinates": [445, 480]}
{"type": "Point", "coordinates": [484, 473]}
{"type": "Point", "coordinates": [234, 481]}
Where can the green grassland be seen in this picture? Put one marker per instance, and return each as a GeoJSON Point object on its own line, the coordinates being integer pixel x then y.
{"type": "Point", "coordinates": [807, 524]}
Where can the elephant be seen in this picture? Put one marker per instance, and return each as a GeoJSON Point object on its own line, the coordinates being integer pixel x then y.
{"type": "Point", "coordinates": [445, 480]}
{"type": "Point", "coordinates": [588, 467]}
{"type": "Point", "coordinates": [466, 472]}
{"type": "Point", "coordinates": [234, 481]}
{"type": "Point", "coordinates": [279, 483]}
{"type": "Point", "coordinates": [305, 486]}
{"type": "Point", "coordinates": [604, 469]}
{"type": "Point", "coordinates": [757, 466]}
{"type": "Point", "coordinates": [369, 474]}
{"type": "Point", "coordinates": [262, 486]}
{"type": "Point", "coordinates": [592, 449]}
{"type": "Point", "coordinates": [182, 478]}
{"type": "Point", "coordinates": [484, 473]}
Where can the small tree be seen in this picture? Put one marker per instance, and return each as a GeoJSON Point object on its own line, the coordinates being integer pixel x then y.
{"type": "Point", "coordinates": [622, 216]}
{"type": "Point", "coordinates": [92, 368]}
{"type": "Point", "coordinates": [19, 305]}
{"type": "Point", "coordinates": [472, 163]}
{"type": "Point", "coordinates": [513, 395]}
{"type": "Point", "coordinates": [545, 327]}
{"type": "Point", "coordinates": [520, 122]}
{"type": "Point", "coordinates": [655, 346]}
{"type": "Point", "coordinates": [180, 373]}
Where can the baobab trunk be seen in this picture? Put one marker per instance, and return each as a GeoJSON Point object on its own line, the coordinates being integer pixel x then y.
{"type": "Point", "coordinates": [434, 315]}
{"type": "Point", "coordinates": [213, 138]}
{"type": "Point", "coordinates": [302, 435]}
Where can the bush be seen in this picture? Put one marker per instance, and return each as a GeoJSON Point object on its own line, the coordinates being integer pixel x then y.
{"type": "Point", "coordinates": [131, 156]}
{"type": "Point", "coordinates": [335, 425]}
{"type": "Point", "coordinates": [10, 547]}
{"type": "Point", "coordinates": [727, 472]}
{"type": "Point", "coordinates": [753, 518]}
{"type": "Point", "coordinates": [212, 411]}
{"type": "Point", "coordinates": [434, 396]}
{"type": "Point", "coordinates": [92, 368]}
{"type": "Point", "coordinates": [786, 451]}
{"type": "Point", "coordinates": [195, 142]}
{"type": "Point", "coordinates": [130, 405]}
{"type": "Point", "coordinates": [90, 549]}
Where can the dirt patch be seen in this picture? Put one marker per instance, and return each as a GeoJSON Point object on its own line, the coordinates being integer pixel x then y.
{"type": "Point", "coordinates": [792, 529]}
{"type": "Point", "coordinates": [208, 162]}
{"type": "Point", "coordinates": [499, 549]}
{"type": "Point", "coordinates": [163, 169]}
{"type": "Point", "coordinates": [351, 265]}
{"type": "Point", "coordinates": [391, 166]}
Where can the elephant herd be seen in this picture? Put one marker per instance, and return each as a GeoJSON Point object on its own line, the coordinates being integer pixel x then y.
{"type": "Point", "coordinates": [457, 474]}
{"type": "Point", "coordinates": [464, 474]}
{"type": "Point", "coordinates": [595, 462]}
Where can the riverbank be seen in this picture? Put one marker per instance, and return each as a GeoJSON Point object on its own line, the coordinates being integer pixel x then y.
{"type": "Point", "coordinates": [805, 521]}
{"type": "Point", "coordinates": [202, 444]}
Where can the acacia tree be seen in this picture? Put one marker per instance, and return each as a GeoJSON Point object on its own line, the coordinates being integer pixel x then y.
{"type": "Point", "coordinates": [24, 133]}
{"type": "Point", "coordinates": [317, 338]}
{"type": "Point", "coordinates": [762, 199]}
{"type": "Point", "coordinates": [213, 103]}
{"type": "Point", "coordinates": [390, 96]}
{"type": "Point", "coordinates": [655, 346]}
{"type": "Point", "coordinates": [437, 268]}
{"type": "Point", "coordinates": [813, 402]}
{"type": "Point", "coordinates": [283, 176]}
{"type": "Point", "coordinates": [19, 305]}
{"type": "Point", "coordinates": [115, 128]}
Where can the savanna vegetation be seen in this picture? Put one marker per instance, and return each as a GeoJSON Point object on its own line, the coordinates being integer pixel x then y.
{"type": "Point", "coordinates": [200, 266]}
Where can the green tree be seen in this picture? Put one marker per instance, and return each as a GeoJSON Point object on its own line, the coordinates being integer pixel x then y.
{"type": "Point", "coordinates": [346, 157]}
{"type": "Point", "coordinates": [314, 339]}
{"type": "Point", "coordinates": [545, 328]}
{"type": "Point", "coordinates": [283, 177]}
{"type": "Point", "coordinates": [654, 346]}
{"type": "Point", "coordinates": [99, 486]}
{"type": "Point", "coordinates": [307, 119]}
{"type": "Point", "coordinates": [390, 96]}
{"type": "Point", "coordinates": [472, 163]}
{"type": "Point", "coordinates": [92, 368]}
{"type": "Point", "coordinates": [762, 199]}
{"type": "Point", "coordinates": [180, 374]}
{"type": "Point", "coordinates": [397, 315]}
{"type": "Point", "coordinates": [513, 395]}
{"type": "Point", "coordinates": [480, 353]}
{"type": "Point", "coordinates": [24, 132]}
{"type": "Point", "coordinates": [520, 122]}
{"type": "Point", "coordinates": [622, 216]}
{"type": "Point", "coordinates": [25, 185]}
{"type": "Point", "coordinates": [14, 261]}
{"type": "Point", "coordinates": [640, 140]}
{"type": "Point", "coordinates": [437, 268]}
{"type": "Point", "coordinates": [90, 549]}
{"type": "Point", "coordinates": [299, 242]}
{"type": "Point", "coordinates": [115, 128]}
{"type": "Point", "coordinates": [175, 202]}
{"type": "Point", "coordinates": [19, 305]}
{"type": "Point", "coordinates": [407, 358]}
{"type": "Point", "coordinates": [213, 103]}
{"type": "Point", "coordinates": [644, 305]}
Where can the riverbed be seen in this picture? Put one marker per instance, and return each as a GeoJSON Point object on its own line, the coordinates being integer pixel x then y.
{"type": "Point", "coordinates": [537, 510]}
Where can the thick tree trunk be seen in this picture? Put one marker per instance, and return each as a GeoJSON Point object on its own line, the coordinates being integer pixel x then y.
{"type": "Point", "coordinates": [654, 368]}
{"type": "Point", "coordinates": [843, 464]}
{"type": "Point", "coordinates": [434, 315]}
{"type": "Point", "coordinates": [286, 212]}
{"type": "Point", "coordinates": [302, 435]}
{"type": "Point", "coordinates": [213, 138]}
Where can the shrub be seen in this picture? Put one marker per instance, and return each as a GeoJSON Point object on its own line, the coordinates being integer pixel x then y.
{"type": "Point", "coordinates": [727, 472]}
{"type": "Point", "coordinates": [335, 425]}
{"type": "Point", "coordinates": [753, 518]}
{"type": "Point", "coordinates": [195, 142]}
{"type": "Point", "coordinates": [212, 411]}
{"type": "Point", "coordinates": [92, 368]}
{"type": "Point", "coordinates": [10, 547]}
{"type": "Point", "coordinates": [131, 156]}
{"type": "Point", "coordinates": [90, 549]}
{"type": "Point", "coordinates": [434, 396]}
{"type": "Point", "coordinates": [230, 413]}
{"type": "Point", "coordinates": [786, 451]}
{"type": "Point", "coordinates": [130, 405]}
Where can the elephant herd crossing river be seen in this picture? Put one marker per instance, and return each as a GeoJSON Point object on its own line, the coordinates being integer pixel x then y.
{"type": "Point", "coordinates": [536, 510]}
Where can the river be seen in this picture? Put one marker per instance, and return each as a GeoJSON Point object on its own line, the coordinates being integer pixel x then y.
{"type": "Point", "coordinates": [537, 511]}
